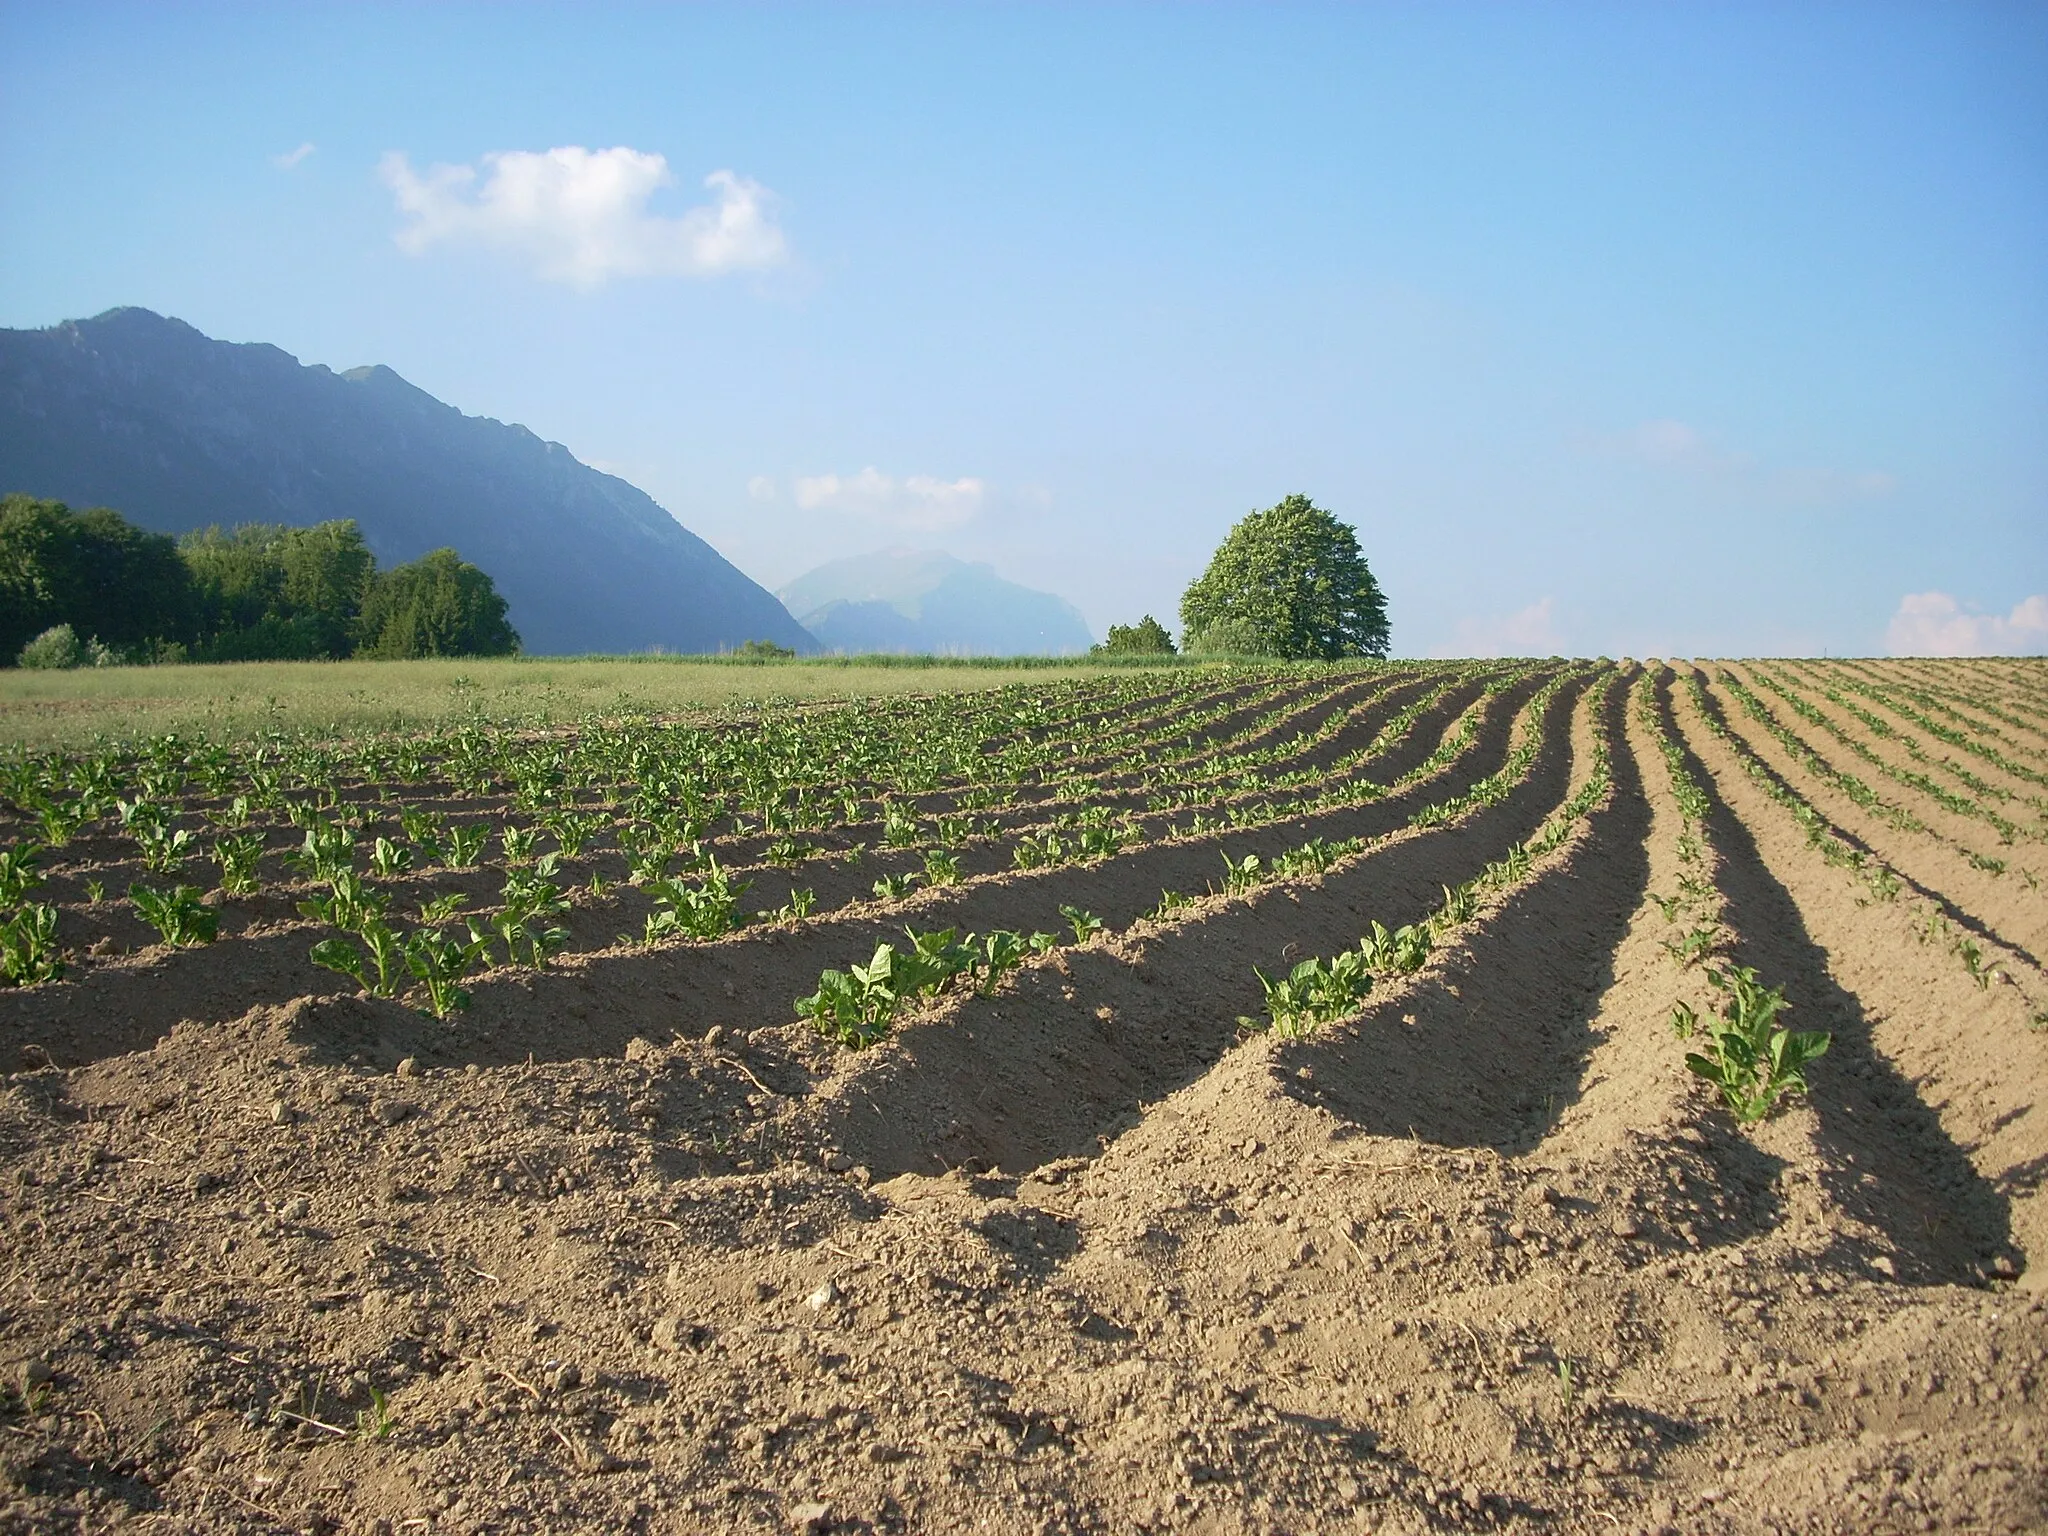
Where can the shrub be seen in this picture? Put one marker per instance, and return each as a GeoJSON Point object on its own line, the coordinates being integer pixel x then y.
{"type": "Point", "coordinates": [1227, 637]}
{"type": "Point", "coordinates": [56, 649]}
{"type": "Point", "coordinates": [1147, 637]}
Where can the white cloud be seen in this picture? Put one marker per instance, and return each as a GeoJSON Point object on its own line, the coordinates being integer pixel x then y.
{"type": "Point", "coordinates": [1935, 624]}
{"type": "Point", "coordinates": [761, 488]}
{"type": "Point", "coordinates": [580, 216]}
{"type": "Point", "coordinates": [290, 161]}
{"type": "Point", "coordinates": [1529, 631]}
{"type": "Point", "coordinates": [915, 504]}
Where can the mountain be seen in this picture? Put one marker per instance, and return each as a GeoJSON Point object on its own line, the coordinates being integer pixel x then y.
{"type": "Point", "coordinates": [175, 431]}
{"type": "Point", "coordinates": [919, 601]}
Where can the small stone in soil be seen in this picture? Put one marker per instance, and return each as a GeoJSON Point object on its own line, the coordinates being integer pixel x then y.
{"type": "Point", "coordinates": [822, 1297]}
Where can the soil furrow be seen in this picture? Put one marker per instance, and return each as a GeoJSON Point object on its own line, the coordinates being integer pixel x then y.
{"type": "Point", "coordinates": [1487, 1047]}
{"type": "Point", "coordinates": [1018, 1080]}
{"type": "Point", "coordinates": [1937, 916]}
{"type": "Point", "coordinates": [1894, 1150]}
{"type": "Point", "coordinates": [1990, 826]}
{"type": "Point", "coordinates": [1296, 717]}
{"type": "Point", "coordinates": [758, 971]}
{"type": "Point", "coordinates": [1998, 908]}
{"type": "Point", "coordinates": [1833, 763]}
{"type": "Point", "coordinates": [2027, 735]}
{"type": "Point", "coordinates": [1480, 1256]}
{"type": "Point", "coordinates": [1902, 735]}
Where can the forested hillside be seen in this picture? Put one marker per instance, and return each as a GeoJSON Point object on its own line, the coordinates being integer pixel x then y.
{"type": "Point", "coordinates": [135, 411]}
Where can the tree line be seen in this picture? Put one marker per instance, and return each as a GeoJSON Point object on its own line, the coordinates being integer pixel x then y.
{"type": "Point", "coordinates": [85, 587]}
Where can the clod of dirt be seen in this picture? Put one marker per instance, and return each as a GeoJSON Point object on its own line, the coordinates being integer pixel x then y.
{"type": "Point", "coordinates": [674, 1335]}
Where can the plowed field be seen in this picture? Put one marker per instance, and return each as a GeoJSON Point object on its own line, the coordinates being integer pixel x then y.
{"type": "Point", "coordinates": [541, 1203]}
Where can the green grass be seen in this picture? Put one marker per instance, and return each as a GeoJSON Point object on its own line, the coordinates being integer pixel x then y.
{"type": "Point", "coordinates": [345, 698]}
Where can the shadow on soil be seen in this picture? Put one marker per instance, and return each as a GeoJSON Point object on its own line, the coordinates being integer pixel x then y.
{"type": "Point", "coordinates": [1969, 922]}
{"type": "Point", "coordinates": [1492, 1049]}
{"type": "Point", "coordinates": [593, 1001]}
{"type": "Point", "coordinates": [1064, 1062]}
{"type": "Point", "coordinates": [1898, 1170]}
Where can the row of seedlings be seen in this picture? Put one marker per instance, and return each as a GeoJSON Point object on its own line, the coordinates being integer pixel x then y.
{"type": "Point", "coordinates": [1934, 923]}
{"type": "Point", "coordinates": [1749, 1059]}
{"type": "Point", "coordinates": [1321, 991]}
{"type": "Point", "coordinates": [856, 1007]}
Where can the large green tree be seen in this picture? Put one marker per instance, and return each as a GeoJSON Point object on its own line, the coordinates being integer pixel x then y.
{"type": "Point", "coordinates": [1287, 582]}
{"type": "Point", "coordinates": [93, 570]}
{"type": "Point", "coordinates": [438, 605]}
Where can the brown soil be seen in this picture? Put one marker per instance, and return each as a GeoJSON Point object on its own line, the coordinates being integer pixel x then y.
{"type": "Point", "coordinates": [625, 1249]}
{"type": "Point", "coordinates": [2023, 848]}
{"type": "Point", "coordinates": [2028, 804]}
{"type": "Point", "coordinates": [127, 1002]}
{"type": "Point", "coordinates": [2028, 731]}
{"type": "Point", "coordinates": [2008, 910]}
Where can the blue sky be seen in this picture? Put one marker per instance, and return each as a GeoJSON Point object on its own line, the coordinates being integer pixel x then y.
{"type": "Point", "coordinates": [1613, 329]}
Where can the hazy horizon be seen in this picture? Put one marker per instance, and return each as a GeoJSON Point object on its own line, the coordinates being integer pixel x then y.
{"type": "Point", "coordinates": [1674, 331]}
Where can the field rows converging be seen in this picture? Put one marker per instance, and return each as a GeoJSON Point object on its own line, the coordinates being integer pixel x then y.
{"type": "Point", "coordinates": [924, 872]}
{"type": "Point", "coordinates": [1500, 1095]}
{"type": "Point", "coordinates": [1948, 795]}
{"type": "Point", "coordinates": [1936, 1213]}
{"type": "Point", "coordinates": [1989, 772]}
{"type": "Point", "coordinates": [1985, 925]}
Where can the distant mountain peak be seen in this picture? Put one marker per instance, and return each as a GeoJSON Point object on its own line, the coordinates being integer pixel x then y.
{"type": "Point", "coordinates": [925, 600]}
{"type": "Point", "coordinates": [136, 317]}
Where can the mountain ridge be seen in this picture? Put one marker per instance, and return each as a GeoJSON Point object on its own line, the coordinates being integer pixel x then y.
{"type": "Point", "coordinates": [176, 430]}
{"type": "Point", "coordinates": [912, 600]}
